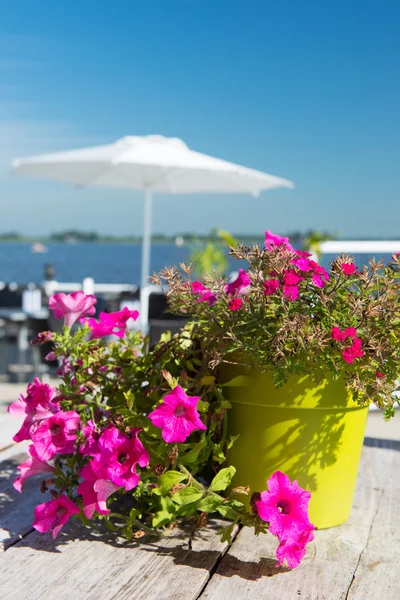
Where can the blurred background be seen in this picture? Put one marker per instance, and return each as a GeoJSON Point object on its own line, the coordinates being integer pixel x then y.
{"type": "Point", "coordinates": [304, 91]}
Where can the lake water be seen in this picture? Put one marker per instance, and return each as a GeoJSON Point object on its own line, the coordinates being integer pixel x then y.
{"type": "Point", "coordinates": [106, 263]}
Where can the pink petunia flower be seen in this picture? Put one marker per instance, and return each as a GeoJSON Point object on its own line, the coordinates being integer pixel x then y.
{"type": "Point", "coordinates": [39, 403]}
{"type": "Point", "coordinates": [56, 435]}
{"type": "Point", "coordinates": [198, 287]}
{"type": "Point", "coordinates": [92, 491]}
{"type": "Point", "coordinates": [273, 240]}
{"type": "Point", "coordinates": [235, 304]}
{"type": "Point", "coordinates": [291, 292]}
{"type": "Point", "coordinates": [355, 351]}
{"type": "Point", "coordinates": [110, 323]}
{"type": "Point", "coordinates": [320, 276]}
{"type": "Point", "coordinates": [349, 268]}
{"type": "Point", "coordinates": [90, 446]}
{"type": "Point", "coordinates": [341, 336]}
{"type": "Point", "coordinates": [291, 278]}
{"type": "Point", "coordinates": [271, 286]}
{"type": "Point", "coordinates": [205, 295]}
{"type": "Point", "coordinates": [209, 297]}
{"type": "Point", "coordinates": [379, 374]}
{"type": "Point", "coordinates": [303, 264]}
{"type": "Point", "coordinates": [177, 416]}
{"type": "Point", "coordinates": [72, 306]}
{"type": "Point", "coordinates": [285, 506]}
{"type": "Point", "coordinates": [52, 515]}
{"type": "Point", "coordinates": [118, 456]}
{"type": "Point", "coordinates": [291, 552]}
{"type": "Point", "coordinates": [240, 284]}
{"type": "Point", "coordinates": [350, 332]}
{"type": "Point", "coordinates": [32, 466]}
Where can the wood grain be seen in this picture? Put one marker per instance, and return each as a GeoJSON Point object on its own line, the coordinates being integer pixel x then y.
{"type": "Point", "coordinates": [345, 562]}
{"type": "Point", "coordinates": [83, 564]}
{"type": "Point", "coordinates": [16, 510]}
{"type": "Point", "coordinates": [356, 561]}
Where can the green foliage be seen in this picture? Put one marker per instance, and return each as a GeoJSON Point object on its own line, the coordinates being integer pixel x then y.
{"type": "Point", "coordinates": [209, 256]}
{"type": "Point", "coordinates": [294, 336]}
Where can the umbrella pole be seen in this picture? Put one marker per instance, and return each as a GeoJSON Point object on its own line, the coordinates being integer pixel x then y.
{"type": "Point", "coordinates": [146, 245]}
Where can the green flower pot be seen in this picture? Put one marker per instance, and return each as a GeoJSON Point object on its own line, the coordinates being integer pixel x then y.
{"type": "Point", "coordinates": [313, 433]}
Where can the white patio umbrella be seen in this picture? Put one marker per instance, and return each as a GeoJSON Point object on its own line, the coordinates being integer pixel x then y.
{"type": "Point", "coordinates": [152, 163]}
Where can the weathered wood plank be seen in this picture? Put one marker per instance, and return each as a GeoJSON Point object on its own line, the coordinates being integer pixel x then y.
{"type": "Point", "coordinates": [86, 566]}
{"type": "Point", "coordinates": [248, 570]}
{"type": "Point", "coordinates": [16, 510]}
{"type": "Point", "coordinates": [377, 575]}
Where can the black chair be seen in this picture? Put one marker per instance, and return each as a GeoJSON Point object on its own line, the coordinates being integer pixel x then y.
{"type": "Point", "coordinates": [160, 319]}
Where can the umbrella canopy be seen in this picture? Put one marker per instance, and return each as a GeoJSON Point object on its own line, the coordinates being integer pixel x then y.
{"type": "Point", "coordinates": [152, 163]}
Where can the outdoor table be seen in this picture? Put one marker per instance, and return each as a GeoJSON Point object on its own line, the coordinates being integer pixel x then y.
{"type": "Point", "coordinates": [20, 317]}
{"type": "Point", "coordinates": [355, 561]}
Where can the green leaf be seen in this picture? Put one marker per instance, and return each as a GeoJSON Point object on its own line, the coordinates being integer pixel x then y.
{"type": "Point", "coordinates": [165, 337]}
{"type": "Point", "coordinates": [227, 512]}
{"type": "Point", "coordinates": [202, 406]}
{"type": "Point", "coordinates": [167, 481]}
{"type": "Point", "coordinates": [230, 510]}
{"type": "Point", "coordinates": [207, 380]}
{"type": "Point", "coordinates": [129, 398]}
{"type": "Point", "coordinates": [193, 454]}
{"type": "Point", "coordinates": [166, 514]}
{"type": "Point", "coordinates": [222, 479]}
{"type": "Point", "coordinates": [226, 533]}
{"type": "Point", "coordinates": [187, 510]}
{"type": "Point", "coordinates": [239, 381]}
{"type": "Point", "coordinates": [209, 504]}
{"type": "Point", "coordinates": [187, 495]}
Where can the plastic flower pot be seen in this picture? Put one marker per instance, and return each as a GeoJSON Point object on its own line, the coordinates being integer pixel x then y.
{"type": "Point", "coordinates": [313, 433]}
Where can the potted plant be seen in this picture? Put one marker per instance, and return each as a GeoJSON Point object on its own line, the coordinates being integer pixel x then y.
{"type": "Point", "coordinates": [142, 438]}
{"type": "Point", "coordinates": [300, 353]}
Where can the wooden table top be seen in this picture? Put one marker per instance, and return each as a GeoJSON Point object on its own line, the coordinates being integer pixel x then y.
{"type": "Point", "coordinates": [356, 561]}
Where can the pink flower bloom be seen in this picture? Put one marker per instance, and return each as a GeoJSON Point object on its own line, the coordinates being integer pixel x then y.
{"type": "Point", "coordinates": [51, 356]}
{"type": "Point", "coordinates": [291, 552]}
{"type": "Point", "coordinates": [111, 323]}
{"type": "Point", "coordinates": [350, 332]}
{"type": "Point", "coordinates": [320, 276]}
{"type": "Point", "coordinates": [92, 490]}
{"type": "Point", "coordinates": [209, 297]}
{"type": "Point", "coordinates": [205, 295]}
{"type": "Point", "coordinates": [30, 467]}
{"type": "Point", "coordinates": [72, 306]}
{"type": "Point", "coordinates": [235, 304]}
{"type": "Point", "coordinates": [285, 506]}
{"type": "Point", "coordinates": [379, 374]}
{"type": "Point", "coordinates": [348, 269]}
{"type": "Point", "coordinates": [271, 286]}
{"type": "Point", "coordinates": [240, 284]}
{"type": "Point", "coordinates": [355, 351]}
{"type": "Point", "coordinates": [291, 292]}
{"type": "Point", "coordinates": [65, 368]}
{"type": "Point", "coordinates": [177, 416]}
{"type": "Point", "coordinates": [338, 334]}
{"type": "Point", "coordinates": [90, 447]}
{"type": "Point", "coordinates": [38, 404]}
{"type": "Point", "coordinates": [118, 456]}
{"type": "Point", "coordinates": [272, 241]}
{"type": "Point", "coordinates": [291, 278]}
{"type": "Point", "coordinates": [198, 287]}
{"type": "Point", "coordinates": [56, 435]}
{"type": "Point", "coordinates": [52, 515]}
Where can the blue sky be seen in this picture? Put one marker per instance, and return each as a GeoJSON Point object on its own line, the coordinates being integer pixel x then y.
{"type": "Point", "coordinates": [304, 90]}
